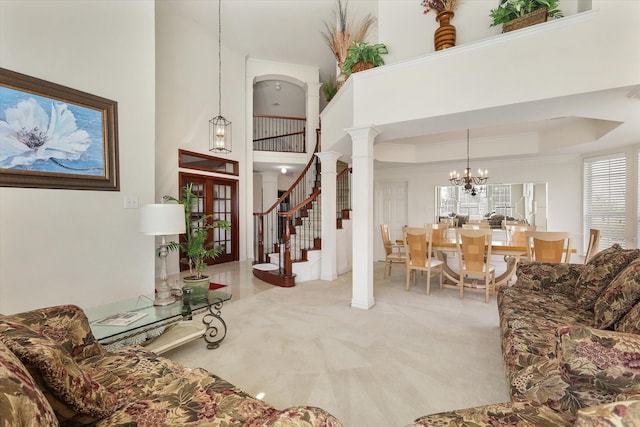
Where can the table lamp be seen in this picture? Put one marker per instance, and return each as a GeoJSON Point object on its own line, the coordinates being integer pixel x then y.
{"type": "Point", "coordinates": [162, 220]}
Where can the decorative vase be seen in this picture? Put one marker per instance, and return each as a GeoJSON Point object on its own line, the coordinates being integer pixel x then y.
{"type": "Point", "coordinates": [445, 35]}
{"type": "Point", "coordinates": [199, 287]}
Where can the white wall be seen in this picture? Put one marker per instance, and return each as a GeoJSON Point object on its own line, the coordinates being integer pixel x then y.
{"type": "Point", "coordinates": [187, 98]}
{"type": "Point", "coordinates": [70, 246]}
{"type": "Point", "coordinates": [408, 32]}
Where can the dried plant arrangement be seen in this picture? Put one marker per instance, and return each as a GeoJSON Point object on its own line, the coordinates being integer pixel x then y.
{"type": "Point", "coordinates": [343, 31]}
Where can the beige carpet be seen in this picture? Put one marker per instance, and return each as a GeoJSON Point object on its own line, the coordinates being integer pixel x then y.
{"type": "Point", "coordinates": [411, 354]}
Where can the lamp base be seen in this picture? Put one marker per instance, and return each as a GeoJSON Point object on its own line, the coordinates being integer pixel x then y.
{"type": "Point", "coordinates": [163, 295]}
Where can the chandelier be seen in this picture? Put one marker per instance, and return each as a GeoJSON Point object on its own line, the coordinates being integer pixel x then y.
{"type": "Point", "coordinates": [219, 127]}
{"type": "Point", "coordinates": [469, 183]}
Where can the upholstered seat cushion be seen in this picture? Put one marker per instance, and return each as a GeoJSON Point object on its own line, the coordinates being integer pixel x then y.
{"type": "Point", "coordinates": [21, 402]}
{"type": "Point", "coordinates": [598, 273]}
{"type": "Point", "coordinates": [599, 364]}
{"type": "Point", "coordinates": [71, 391]}
{"type": "Point", "coordinates": [621, 413]}
{"type": "Point", "coordinates": [524, 413]}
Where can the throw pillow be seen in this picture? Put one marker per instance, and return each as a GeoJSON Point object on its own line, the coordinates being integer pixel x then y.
{"type": "Point", "coordinates": [22, 402]}
{"type": "Point", "coordinates": [618, 298]}
{"type": "Point", "coordinates": [60, 373]}
{"type": "Point", "coordinates": [630, 322]}
{"type": "Point", "coordinates": [601, 269]}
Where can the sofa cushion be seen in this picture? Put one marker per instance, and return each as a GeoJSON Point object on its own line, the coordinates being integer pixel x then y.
{"type": "Point", "coordinates": [498, 414]}
{"type": "Point", "coordinates": [598, 273]}
{"type": "Point", "coordinates": [548, 277]}
{"type": "Point", "coordinates": [618, 297]}
{"type": "Point", "coordinates": [21, 401]}
{"type": "Point", "coordinates": [77, 396]}
{"type": "Point", "coordinates": [615, 414]}
{"type": "Point", "coordinates": [65, 324]}
{"type": "Point", "coordinates": [598, 364]}
{"type": "Point", "coordinates": [630, 322]}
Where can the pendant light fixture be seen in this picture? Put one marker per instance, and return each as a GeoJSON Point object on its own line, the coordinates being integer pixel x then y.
{"type": "Point", "coordinates": [469, 182]}
{"type": "Point", "coordinates": [219, 127]}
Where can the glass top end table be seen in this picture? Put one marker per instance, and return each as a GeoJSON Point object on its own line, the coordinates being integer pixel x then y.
{"type": "Point", "coordinates": [155, 320]}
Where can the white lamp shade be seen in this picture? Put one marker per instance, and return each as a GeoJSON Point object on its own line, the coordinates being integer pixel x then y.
{"type": "Point", "coordinates": [162, 219]}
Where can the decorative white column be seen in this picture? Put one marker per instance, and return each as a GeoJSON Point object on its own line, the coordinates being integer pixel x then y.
{"type": "Point", "coordinates": [362, 208]}
{"type": "Point", "coordinates": [328, 264]}
{"type": "Point", "coordinates": [269, 189]}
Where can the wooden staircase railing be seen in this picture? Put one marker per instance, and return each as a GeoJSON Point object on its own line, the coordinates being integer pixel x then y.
{"type": "Point", "coordinates": [273, 228]}
{"type": "Point", "coordinates": [293, 232]}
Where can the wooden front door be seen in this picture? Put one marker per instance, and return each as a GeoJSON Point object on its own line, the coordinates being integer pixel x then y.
{"type": "Point", "coordinates": [217, 197]}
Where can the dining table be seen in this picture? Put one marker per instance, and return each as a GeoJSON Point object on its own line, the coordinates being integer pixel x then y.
{"type": "Point", "coordinates": [511, 251]}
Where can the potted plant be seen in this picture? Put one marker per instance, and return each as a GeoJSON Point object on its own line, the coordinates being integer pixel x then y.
{"type": "Point", "coordinates": [514, 14]}
{"type": "Point", "coordinates": [194, 246]}
{"type": "Point", "coordinates": [363, 56]}
{"type": "Point", "coordinates": [329, 89]}
{"type": "Point", "coordinates": [339, 34]}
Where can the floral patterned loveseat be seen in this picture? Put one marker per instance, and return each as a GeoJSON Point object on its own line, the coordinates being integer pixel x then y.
{"type": "Point", "coordinates": [54, 372]}
{"type": "Point", "coordinates": [571, 346]}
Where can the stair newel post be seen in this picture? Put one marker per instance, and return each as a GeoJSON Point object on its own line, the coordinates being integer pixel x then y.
{"type": "Point", "coordinates": [260, 230]}
{"type": "Point", "coordinates": [288, 267]}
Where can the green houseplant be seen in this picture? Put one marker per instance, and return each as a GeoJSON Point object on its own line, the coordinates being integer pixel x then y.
{"type": "Point", "coordinates": [329, 89]}
{"type": "Point", "coordinates": [362, 56]}
{"type": "Point", "coordinates": [194, 246]}
{"type": "Point", "coordinates": [509, 10]}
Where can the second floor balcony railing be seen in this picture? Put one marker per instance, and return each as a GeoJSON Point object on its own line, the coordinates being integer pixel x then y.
{"type": "Point", "coordinates": [276, 133]}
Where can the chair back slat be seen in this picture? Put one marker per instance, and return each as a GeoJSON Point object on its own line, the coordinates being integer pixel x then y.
{"type": "Point", "coordinates": [386, 238]}
{"type": "Point", "coordinates": [549, 246]}
{"type": "Point", "coordinates": [417, 249]}
{"type": "Point", "coordinates": [473, 251]}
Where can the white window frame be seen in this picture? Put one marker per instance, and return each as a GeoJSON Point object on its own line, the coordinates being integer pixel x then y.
{"type": "Point", "coordinates": [604, 198]}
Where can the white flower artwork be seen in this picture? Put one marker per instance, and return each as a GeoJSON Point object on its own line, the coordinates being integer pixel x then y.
{"type": "Point", "coordinates": [54, 136]}
{"type": "Point", "coordinates": [28, 134]}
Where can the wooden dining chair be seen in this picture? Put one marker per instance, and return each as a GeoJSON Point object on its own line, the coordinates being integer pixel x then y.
{"type": "Point", "coordinates": [393, 252]}
{"type": "Point", "coordinates": [419, 256]}
{"type": "Point", "coordinates": [549, 246]}
{"type": "Point", "coordinates": [476, 226]}
{"type": "Point", "coordinates": [594, 244]}
{"type": "Point", "coordinates": [474, 255]}
{"type": "Point", "coordinates": [440, 230]}
{"type": "Point", "coordinates": [516, 233]}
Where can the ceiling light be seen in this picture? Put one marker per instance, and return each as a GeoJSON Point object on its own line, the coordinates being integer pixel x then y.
{"type": "Point", "coordinates": [468, 182]}
{"type": "Point", "coordinates": [283, 170]}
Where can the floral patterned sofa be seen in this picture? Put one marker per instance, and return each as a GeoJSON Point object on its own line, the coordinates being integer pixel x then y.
{"type": "Point", "coordinates": [571, 346]}
{"type": "Point", "coordinates": [54, 372]}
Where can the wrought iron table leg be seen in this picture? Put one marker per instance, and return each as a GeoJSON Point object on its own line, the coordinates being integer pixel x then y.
{"type": "Point", "coordinates": [216, 327]}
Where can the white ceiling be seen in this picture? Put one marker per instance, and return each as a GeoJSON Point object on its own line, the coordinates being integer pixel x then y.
{"type": "Point", "coordinates": [286, 31]}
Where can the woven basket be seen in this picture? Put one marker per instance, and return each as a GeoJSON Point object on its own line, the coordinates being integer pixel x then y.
{"type": "Point", "coordinates": [536, 17]}
{"type": "Point", "coordinates": [361, 66]}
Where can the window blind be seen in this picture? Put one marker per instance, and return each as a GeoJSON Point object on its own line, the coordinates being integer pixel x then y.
{"type": "Point", "coordinates": [605, 185]}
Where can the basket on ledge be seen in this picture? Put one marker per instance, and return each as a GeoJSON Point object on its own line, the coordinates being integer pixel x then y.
{"type": "Point", "coordinates": [536, 17]}
{"type": "Point", "coordinates": [361, 66]}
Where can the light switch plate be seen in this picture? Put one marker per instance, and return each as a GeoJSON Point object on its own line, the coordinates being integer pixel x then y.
{"type": "Point", "coordinates": [130, 202]}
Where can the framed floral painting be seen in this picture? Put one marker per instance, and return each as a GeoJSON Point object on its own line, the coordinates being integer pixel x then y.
{"type": "Point", "coordinates": [52, 136]}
